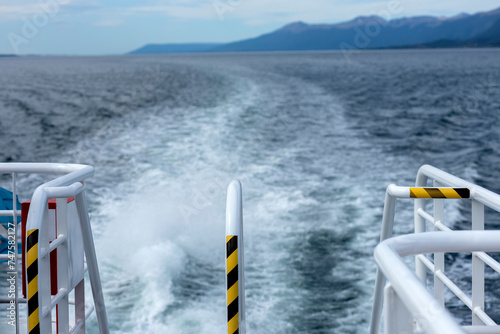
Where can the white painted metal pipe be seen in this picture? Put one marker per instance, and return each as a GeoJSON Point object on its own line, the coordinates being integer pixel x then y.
{"type": "Point", "coordinates": [41, 168]}
{"type": "Point", "coordinates": [235, 310]}
{"type": "Point", "coordinates": [91, 257]}
{"type": "Point", "coordinates": [7, 213]}
{"type": "Point", "coordinates": [424, 307]}
{"type": "Point", "coordinates": [399, 192]}
{"type": "Point", "coordinates": [64, 192]}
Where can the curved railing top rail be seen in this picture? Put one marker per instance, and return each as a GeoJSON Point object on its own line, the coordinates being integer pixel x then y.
{"type": "Point", "coordinates": [412, 292]}
{"type": "Point", "coordinates": [70, 173]}
{"type": "Point", "coordinates": [478, 193]}
{"type": "Point", "coordinates": [40, 168]}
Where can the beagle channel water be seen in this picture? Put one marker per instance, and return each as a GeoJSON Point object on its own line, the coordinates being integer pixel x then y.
{"type": "Point", "coordinates": [314, 138]}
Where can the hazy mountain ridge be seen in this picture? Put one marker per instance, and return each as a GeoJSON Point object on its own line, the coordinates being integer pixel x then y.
{"type": "Point", "coordinates": [490, 38]}
{"type": "Point", "coordinates": [364, 32]}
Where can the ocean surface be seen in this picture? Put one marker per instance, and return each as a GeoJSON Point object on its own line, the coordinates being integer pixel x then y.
{"type": "Point", "coordinates": [315, 138]}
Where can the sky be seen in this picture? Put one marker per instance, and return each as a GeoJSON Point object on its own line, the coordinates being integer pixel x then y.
{"type": "Point", "coordinates": [104, 27]}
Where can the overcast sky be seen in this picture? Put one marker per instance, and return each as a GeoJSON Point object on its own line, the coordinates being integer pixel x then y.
{"type": "Point", "coordinates": [95, 27]}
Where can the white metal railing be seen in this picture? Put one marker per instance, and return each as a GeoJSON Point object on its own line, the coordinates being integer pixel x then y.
{"type": "Point", "coordinates": [440, 191]}
{"type": "Point", "coordinates": [429, 312]}
{"type": "Point", "coordinates": [38, 248]}
{"type": "Point", "coordinates": [235, 279]}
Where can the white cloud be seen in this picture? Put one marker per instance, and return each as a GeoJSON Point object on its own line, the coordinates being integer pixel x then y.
{"type": "Point", "coordinates": [250, 12]}
{"type": "Point", "coordinates": [178, 10]}
{"type": "Point", "coordinates": [283, 11]}
{"type": "Point", "coordinates": [253, 12]}
{"type": "Point", "coordinates": [259, 12]}
{"type": "Point", "coordinates": [328, 11]}
{"type": "Point", "coordinates": [12, 10]}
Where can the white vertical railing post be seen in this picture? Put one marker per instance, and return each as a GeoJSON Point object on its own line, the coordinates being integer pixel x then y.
{"type": "Point", "coordinates": [477, 265]}
{"type": "Point", "coordinates": [397, 318]}
{"type": "Point", "coordinates": [80, 306]}
{"type": "Point", "coordinates": [420, 268]}
{"type": "Point", "coordinates": [62, 264]}
{"type": "Point", "coordinates": [91, 257]}
{"type": "Point", "coordinates": [387, 227]}
{"type": "Point", "coordinates": [45, 309]}
{"type": "Point", "coordinates": [438, 257]}
{"type": "Point", "coordinates": [235, 279]}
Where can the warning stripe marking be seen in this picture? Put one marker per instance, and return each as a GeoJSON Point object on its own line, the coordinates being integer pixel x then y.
{"type": "Point", "coordinates": [232, 284]}
{"type": "Point", "coordinates": [232, 261]}
{"type": "Point", "coordinates": [232, 293]}
{"type": "Point", "coordinates": [32, 274]}
{"type": "Point", "coordinates": [231, 244]}
{"type": "Point", "coordinates": [233, 325]}
{"type": "Point", "coordinates": [232, 277]}
{"type": "Point", "coordinates": [232, 309]}
{"type": "Point", "coordinates": [439, 193]}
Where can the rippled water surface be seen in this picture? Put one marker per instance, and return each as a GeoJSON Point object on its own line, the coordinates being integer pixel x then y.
{"type": "Point", "coordinates": [314, 138]}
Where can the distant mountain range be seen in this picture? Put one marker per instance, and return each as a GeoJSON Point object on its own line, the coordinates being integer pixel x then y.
{"type": "Point", "coordinates": [489, 38]}
{"type": "Point", "coordinates": [364, 32]}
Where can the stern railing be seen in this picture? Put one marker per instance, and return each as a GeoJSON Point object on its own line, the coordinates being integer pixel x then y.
{"type": "Point", "coordinates": [38, 249]}
{"type": "Point", "coordinates": [445, 186]}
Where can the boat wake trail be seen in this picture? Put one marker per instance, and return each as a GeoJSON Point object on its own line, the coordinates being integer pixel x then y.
{"type": "Point", "coordinates": [313, 141]}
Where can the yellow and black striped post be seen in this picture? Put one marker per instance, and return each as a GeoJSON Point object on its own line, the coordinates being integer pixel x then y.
{"type": "Point", "coordinates": [233, 323]}
{"type": "Point", "coordinates": [32, 275]}
{"type": "Point", "coordinates": [439, 193]}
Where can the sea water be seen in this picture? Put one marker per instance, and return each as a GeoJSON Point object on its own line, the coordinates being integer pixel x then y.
{"type": "Point", "coordinates": [314, 138]}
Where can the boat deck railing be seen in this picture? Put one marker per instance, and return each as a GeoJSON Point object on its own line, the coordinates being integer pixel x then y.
{"type": "Point", "coordinates": [408, 306]}
{"type": "Point", "coordinates": [41, 300]}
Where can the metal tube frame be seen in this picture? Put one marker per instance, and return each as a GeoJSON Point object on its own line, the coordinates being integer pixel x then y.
{"type": "Point", "coordinates": [480, 198]}
{"type": "Point", "coordinates": [69, 184]}
{"type": "Point", "coordinates": [429, 312]}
